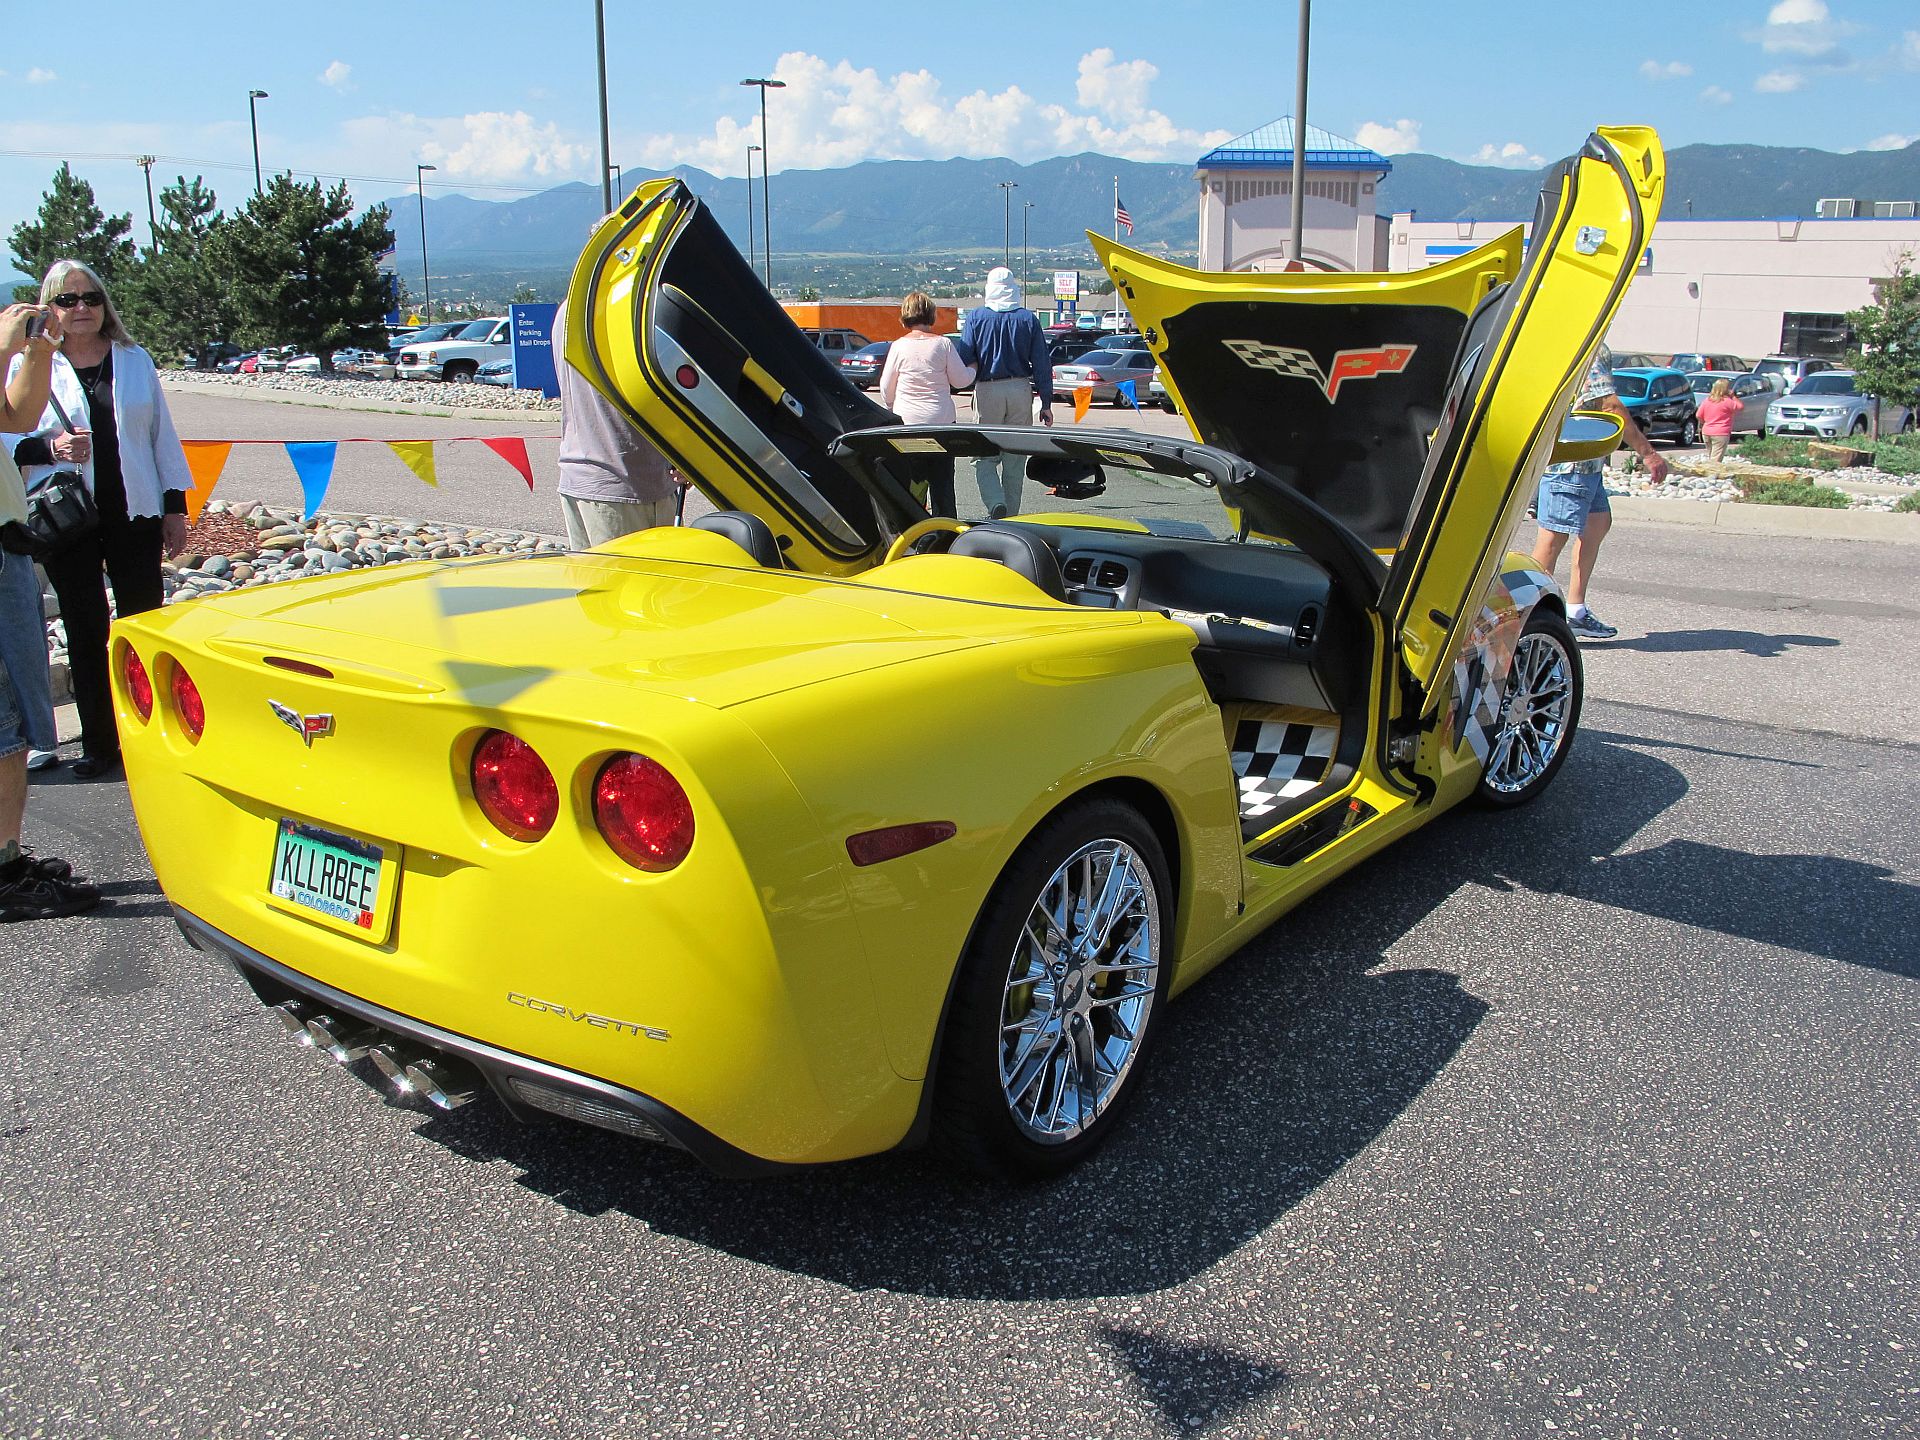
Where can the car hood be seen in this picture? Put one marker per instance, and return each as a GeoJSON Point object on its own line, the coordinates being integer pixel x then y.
{"type": "Point", "coordinates": [684, 624]}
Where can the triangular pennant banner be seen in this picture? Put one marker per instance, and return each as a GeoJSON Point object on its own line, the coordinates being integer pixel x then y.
{"type": "Point", "coordinates": [1082, 398]}
{"type": "Point", "coordinates": [205, 460]}
{"type": "Point", "coordinates": [1125, 389]}
{"type": "Point", "coordinates": [313, 463]}
{"type": "Point", "coordinates": [418, 455]}
{"type": "Point", "coordinates": [513, 450]}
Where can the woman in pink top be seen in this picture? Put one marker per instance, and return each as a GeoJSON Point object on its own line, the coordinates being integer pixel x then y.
{"type": "Point", "coordinates": [917, 384]}
{"type": "Point", "coordinates": [1717, 414]}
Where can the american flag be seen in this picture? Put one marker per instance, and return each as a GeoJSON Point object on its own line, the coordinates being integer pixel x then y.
{"type": "Point", "coordinates": [1120, 215]}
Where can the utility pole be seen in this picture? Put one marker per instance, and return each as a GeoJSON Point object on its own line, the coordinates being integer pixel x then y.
{"type": "Point", "coordinates": [426, 285]}
{"type": "Point", "coordinates": [145, 162]}
{"type": "Point", "coordinates": [606, 147]}
{"type": "Point", "coordinates": [1026, 214]}
{"type": "Point", "coordinates": [752, 150]}
{"type": "Point", "coordinates": [253, 120]}
{"type": "Point", "coordinates": [1297, 256]}
{"type": "Point", "coordinates": [766, 196]}
{"type": "Point", "coordinates": [1007, 187]}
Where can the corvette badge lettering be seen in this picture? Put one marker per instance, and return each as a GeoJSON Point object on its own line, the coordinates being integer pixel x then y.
{"type": "Point", "coordinates": [307, 727]}
{"type": "Point", "coordinates": [1347, 365]}
{"type": "Point", "coordinates": [583, 1017]}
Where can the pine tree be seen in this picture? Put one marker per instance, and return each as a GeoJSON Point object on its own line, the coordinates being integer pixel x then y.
{"type": "Point", "coordinates": [71, 226]}
{"type": "Point", "coordinates": [180, 300]}
{"type": "Point", "coordinates": [1887, 363]}
{"type": "Point", "coordinates": [304, 272]}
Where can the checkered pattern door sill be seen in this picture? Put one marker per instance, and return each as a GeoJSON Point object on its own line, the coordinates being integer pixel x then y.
{"type": "Point", "coordinates": [1275, 761]}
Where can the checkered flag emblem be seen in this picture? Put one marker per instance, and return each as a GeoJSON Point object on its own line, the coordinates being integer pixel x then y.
{"type": "Point", "coordinates": [1367, 364]}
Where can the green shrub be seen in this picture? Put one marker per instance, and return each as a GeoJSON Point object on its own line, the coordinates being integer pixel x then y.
{"type": "Point", "coordinates": [1908, 504]}
{"type": "Point", "coordinates": [1771, 450]}
{"type": "Point", "coordinates": [1899, 456]}
{"type": "Point", "coordinates": [1793, 492]}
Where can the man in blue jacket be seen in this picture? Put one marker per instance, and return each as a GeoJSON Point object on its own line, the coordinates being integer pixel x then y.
{"type": "Point", "coordinates": [1013, 361]}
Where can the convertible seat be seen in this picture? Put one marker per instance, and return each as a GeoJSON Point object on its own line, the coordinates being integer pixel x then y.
{"type": "Point", "coordinates": [749, 532]}
{"type": "Point", "coordinates": [1020, 551]}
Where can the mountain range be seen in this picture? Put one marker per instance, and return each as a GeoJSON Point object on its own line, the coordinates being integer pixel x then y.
{"type": "Point", "coordinates": [904, 207]}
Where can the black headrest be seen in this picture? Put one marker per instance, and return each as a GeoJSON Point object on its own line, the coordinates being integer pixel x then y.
{"type": "Point", "coordinates": [749, 532]}
{"type": "Point", "coordinates": [1020, 550]}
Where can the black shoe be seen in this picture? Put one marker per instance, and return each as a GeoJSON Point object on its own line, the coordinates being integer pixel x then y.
{"type": "Point", "coordinates": [999, 512]}
{"type": "Point", "coordinates": [97, 767]}
{"type": "Point", "coordinates": [28, 896]}
{"type": "Point", "coordinates": [47, 867]}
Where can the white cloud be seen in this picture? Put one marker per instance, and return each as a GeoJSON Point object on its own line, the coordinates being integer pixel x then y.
{"type": "Point", "coordinates": [37, 76]}
{"type": "Point", "coordinates": [1512, 154]}
{"type": "Point", "coordinates": [1910, 50]}
{"type": "Point", "coordinates": [1807, 28]}
{"type": "Point", "coordinates": [1714, 95]}
{"type": "Point", "coordinates": [1670, 70]}
{"type": "Point", "coordinates": [335, 75]}
{"type": "Point", "coordinates": [1780, 82]}
{"type": "Point", "coordinates": [1892, 142]}
{"type": "Point", "coordinates": [488, 147]}
{"type": "Point", "coordinates": [833, 114]}
{"type": "Point", "coordinates": [1402, 137]}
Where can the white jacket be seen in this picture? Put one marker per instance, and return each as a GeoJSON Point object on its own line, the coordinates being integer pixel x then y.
{"type": "Point", "coordinates": [151, 460]}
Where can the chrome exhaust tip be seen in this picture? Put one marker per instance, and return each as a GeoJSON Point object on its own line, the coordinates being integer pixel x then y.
{"type": "Point", "coordinates": [444, 1084]}
{"type": "Point", "coordinates": [392, 1065]}
{"type": "Point", "coordinates": [342, 1040]}
{"type": "Point", "coordinates": [293, 1016]}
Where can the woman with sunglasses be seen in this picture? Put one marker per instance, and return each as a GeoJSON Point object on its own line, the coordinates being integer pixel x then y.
{"type": "Point", "coordinates": [118, 434]}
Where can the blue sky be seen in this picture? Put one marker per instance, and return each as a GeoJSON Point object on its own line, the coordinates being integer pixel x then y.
{"type": "Point", "coordinates": [500, 97]}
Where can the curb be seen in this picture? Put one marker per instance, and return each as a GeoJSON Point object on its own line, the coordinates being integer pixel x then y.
{"type": "Point", "coordinates": [1797, 520]}
{"type": "Point", "coordinates": [427, 410]}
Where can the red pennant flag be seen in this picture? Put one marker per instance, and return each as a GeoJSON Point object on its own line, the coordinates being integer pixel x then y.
{"type": "Point", "coordinates": [513, 450]}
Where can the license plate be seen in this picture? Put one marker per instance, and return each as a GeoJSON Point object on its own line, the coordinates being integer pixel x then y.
{"type": "Point", "coordinates": [333, 875]}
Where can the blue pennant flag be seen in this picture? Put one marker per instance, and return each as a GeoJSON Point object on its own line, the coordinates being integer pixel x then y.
{"type": "Point", "coordinates": [1126, 391]}
{"type": "Point", "coordinates": [313, 463]}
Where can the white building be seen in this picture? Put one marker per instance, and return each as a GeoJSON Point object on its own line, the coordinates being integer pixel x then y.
{"type": "Point", "coordinates": [1246, 202]}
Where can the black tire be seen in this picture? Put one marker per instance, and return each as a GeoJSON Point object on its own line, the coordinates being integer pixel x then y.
{"type": "Point", "coordinates": [1690, 433]}
{"type": "Point", "coordinates": [974, 1113]}
{"type": "Point", "coordinates": [1906, 426]}
{"type": "Point", "coordinates": [460, 372]}
{"type": "Point", "coordinates": [1859, 426]}
{"type": "Point", "coordinates": [1501, 787]}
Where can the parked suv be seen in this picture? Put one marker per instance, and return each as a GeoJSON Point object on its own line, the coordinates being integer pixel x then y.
{"type": "Point", "coordinates": [460, 355]}
{"type": "Point", "coordinates": [1827, 405]}
{"type": "Point", "coordinates": [838, 343]}
{"type": "Point", "coordinates": [1792, 368]}
{"type": "Point", "coordinates": [1660, 402]}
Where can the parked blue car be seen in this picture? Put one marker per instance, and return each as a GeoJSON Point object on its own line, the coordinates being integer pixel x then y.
{"type": "Point", "coordinates": [1660, 401]}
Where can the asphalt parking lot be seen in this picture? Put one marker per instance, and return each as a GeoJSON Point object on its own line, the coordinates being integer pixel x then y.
{"type": "Point", "coordinates": [1596, 1119]}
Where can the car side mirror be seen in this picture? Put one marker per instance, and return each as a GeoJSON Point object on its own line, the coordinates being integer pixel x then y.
{"type": "Point", "coordinates": [1587, 435]}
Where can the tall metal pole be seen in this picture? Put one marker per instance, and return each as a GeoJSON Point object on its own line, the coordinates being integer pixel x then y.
{"type": "Point", "coordinates": [253, 120]}
{"type": "Point", "coordinates": [426, 285]}
{"type": "Point", "coordinates": [1026, 214]}
{"type": "Point", "coordinates": [606, 147]}
{"type": "Point", "coordinates": [619, 186]}
{"type": "Point", "coordinates": [766, 195]}
{"type": "Point", "coordinates": [145, 162]}
{"type": "Point", "coordinates": [1007, 187]}
{"type": "Point", "coordinates": [1297, 255]}
{"type": "Point", "coordinates": [752, 150]}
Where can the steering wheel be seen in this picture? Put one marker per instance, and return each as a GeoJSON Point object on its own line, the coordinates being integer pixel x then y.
{"type": "Point", "coordinates": [933, 525]}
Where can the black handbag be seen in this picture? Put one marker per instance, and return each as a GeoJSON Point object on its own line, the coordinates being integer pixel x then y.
{"type": "Point", "coordinates": [60, 509]}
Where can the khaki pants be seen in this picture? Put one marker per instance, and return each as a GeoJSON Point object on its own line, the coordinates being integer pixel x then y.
{"type": "Point", "coordinates": [1717, 446]}
{"type": "Point", "coordinates": [1002, 402]}
{"type": "Point", "coordinates": [595, 522]}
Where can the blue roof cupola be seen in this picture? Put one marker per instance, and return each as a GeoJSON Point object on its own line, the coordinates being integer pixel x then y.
{"type": "Point", "coordinates": [1271, 147]}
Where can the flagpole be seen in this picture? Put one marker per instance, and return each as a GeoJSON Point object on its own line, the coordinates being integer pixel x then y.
{"type": "Point", "coordinates": [1116, 237]}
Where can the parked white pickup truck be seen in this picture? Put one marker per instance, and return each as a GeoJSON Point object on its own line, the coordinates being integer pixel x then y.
{"type": "Point", "coordinates": [460, 355]}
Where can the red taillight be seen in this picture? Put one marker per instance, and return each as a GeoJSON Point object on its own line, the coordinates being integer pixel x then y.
{"type": "Point", "coordinates": [1093, 375]}
{"type": "Point", "coordinates": [139, 687]}
{"type": "Point", "coordinates": [188, 705]}
{"type": "Point", "coordinates": [642, 812]}
{"type": "Point", "coordinates": [514, 787]}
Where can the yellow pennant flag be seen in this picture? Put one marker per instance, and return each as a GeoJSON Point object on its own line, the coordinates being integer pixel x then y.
{"type": "Point", "coordinates": [1082, 398]}
{"type": "Point", "coordinates": [205, 460]}
{"type": "Point", "coordinates": [418, 455]}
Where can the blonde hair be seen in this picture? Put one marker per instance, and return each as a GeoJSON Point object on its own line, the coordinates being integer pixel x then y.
{"type": "Point", "coordinates": [110, 326]}
{"type": "Point", "coordinates": [1721, 390]}
{"type": "Point", "coordinates": [917, 309]}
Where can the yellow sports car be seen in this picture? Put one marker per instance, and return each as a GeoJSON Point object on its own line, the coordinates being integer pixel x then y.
{"type": "Point", "coordinates": [822, 826]}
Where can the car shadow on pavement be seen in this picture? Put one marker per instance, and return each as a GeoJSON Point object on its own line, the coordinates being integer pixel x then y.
{"type": "Point", "coordinates": [1746, 642]}
{"type": "Point", "coordinates": [1272, 1075]}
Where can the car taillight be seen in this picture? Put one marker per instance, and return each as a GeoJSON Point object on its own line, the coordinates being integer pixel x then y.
{"type": "Point", "coordinates": [514, 787]}
{"type": "Point", "coordinates": [188, 705]}
{"type": "Point", "coordinates": [1092, 375]}
{"type": "Point", "coordinates": [139, 686]}
{"type": "Point", "coordinates": [642, 812]}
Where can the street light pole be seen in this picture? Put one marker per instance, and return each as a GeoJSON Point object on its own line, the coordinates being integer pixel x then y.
{"type": "Point", "coordinates": [1007, 187]}
{"type": "Point", "coordinates": [752, 150]}
{"type": "Point", "coordinates": [766, 195]}
{"type": "Point", "coordinates": [420, 184]}
{"type": "Point", "coordinates": [606, 147]}
{"type": "Point", "coordinates": [145, 162]}
{"type": "Point", "coordinates": [253, 120]}
{"type": "Point", "coordinates": [1297, 256]}
{"type": "Point", "coordinates": [619, 186]}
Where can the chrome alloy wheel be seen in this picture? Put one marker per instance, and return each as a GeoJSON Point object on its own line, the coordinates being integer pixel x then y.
{"type": "Point", "coordinates": [1079, 991]}
{"type": "Point", "coordinates": [1534, 713]}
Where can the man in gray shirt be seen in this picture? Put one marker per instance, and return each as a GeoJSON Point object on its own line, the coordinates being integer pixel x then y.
{"type": "Point", "coordinates": [612, 479]}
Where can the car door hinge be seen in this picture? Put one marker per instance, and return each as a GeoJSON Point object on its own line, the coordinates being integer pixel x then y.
{"type": "Point", "coordinates": [1403, 749]}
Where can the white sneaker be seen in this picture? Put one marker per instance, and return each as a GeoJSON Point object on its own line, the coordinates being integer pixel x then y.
{"type": "Point", "coordinates": [42, 759]}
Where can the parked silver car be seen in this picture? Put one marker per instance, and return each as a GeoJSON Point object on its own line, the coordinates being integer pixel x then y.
{"type": "Point", "coordinates": [1103, 372]}
{"type": "Point", "coordinates": [1754, 393]}
{"type": "Point", "coordinates": [1826, 405]}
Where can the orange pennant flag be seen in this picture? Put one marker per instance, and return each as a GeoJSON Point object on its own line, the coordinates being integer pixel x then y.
{"type": "Point", "coordinates": [205, 460]}
{"type": "Point", "coordinates": [1082, 398]}
{"type": "Point", "coordinates": [418, 456]}
{"type": "Point", "coordinates": [513, 450]}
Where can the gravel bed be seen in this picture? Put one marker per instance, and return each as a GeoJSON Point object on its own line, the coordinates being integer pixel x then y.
{"type": "Point", "coordinates": [1722, 486]}
{"type": "Point", "coordinates": [357, 387]}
